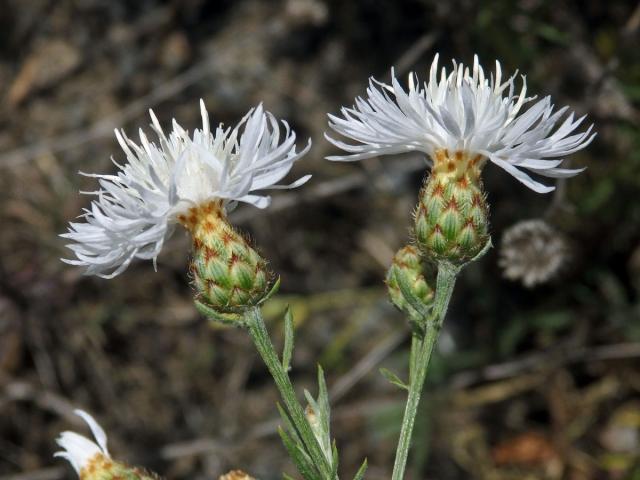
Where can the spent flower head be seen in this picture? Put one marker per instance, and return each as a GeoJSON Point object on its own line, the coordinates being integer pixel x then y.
{"type": "Point", "coordinates": [533, 252]}
{"type": "Point", "coordinates": [164, 183]}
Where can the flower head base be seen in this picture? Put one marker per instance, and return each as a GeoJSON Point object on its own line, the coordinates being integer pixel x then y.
{"type": "Point", "coordinates": [91, 460]}
{"type": "Point", "coordinates": [417, 274]}
{"type": "Point", "coordinates": [136, 209]}
{"type": "Point", "coordinates": [228, 275]}
{"type": "Point", "coordinates": [451, 218]}
{"type": "Point", "coordinates": [462, 111]}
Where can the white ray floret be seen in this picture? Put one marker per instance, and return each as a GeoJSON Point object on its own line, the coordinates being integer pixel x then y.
{"type": "Point", "coordinates": [466, 111]}
{"type": "Point", "coordinates": [79, 450]}
{"type": "Point", "coordinates": [135, 210]}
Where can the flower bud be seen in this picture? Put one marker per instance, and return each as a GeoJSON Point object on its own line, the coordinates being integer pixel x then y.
{"type": "Point", "coordinates": [418, 275]}
{"type": "Point", "coordinates": [228, 275]}
{"type": "Point", "coordinates": [451, 219]}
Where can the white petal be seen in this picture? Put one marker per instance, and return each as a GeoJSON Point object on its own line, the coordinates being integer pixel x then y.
{"type": "Point", "coordinates": [79, 450]}
{"type": "Point", "coordinates": [97, 431]}
{"type": "Point", "coordinates": [461, 110]}
{"type": "Point", "coordinates": [133, 210]}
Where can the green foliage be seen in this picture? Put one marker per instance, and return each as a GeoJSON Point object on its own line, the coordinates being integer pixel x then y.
{"type": "Point", "coordinates": [393, 379]}
{"type": "Point", "coordinates": [287, 351]}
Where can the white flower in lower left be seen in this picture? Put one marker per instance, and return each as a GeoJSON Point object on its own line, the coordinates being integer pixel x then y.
{"type": "Point", "coordinates": [79, 450]}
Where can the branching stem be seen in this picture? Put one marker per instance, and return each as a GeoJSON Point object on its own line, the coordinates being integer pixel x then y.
{"type": "Point", "coordinates": [262, 341]}
{"type": "Point", "coordinates": [421, 349]}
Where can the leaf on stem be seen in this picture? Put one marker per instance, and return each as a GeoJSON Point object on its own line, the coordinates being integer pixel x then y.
{"type": "Point", "coordinates": [299, 457]}
{"type": "Point", "coordinates": [272, 292]}
{"type": "Point", "coordinates": [393, 378]}
{"type": "Point", "coordinates": [212, 314]}
{"type": "Point", "coordinates": [361, 471]}
{"type": "Point", "coordinates": [287, 351]}
{"type": "Point", "coordinates": [318, 415]}
{"type": "Point", "coordinates": [288, 425]}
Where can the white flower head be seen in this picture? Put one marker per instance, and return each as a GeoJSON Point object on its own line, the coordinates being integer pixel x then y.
{"type": "Point", "coordinates": [463, 111]}
{"type": "Point", "coordinates": [135, 210]}
{"type": "Point", "coordinates": [79, 450]}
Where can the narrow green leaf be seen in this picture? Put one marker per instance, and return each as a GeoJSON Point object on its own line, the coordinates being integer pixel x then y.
{"type": "Point", "coordinates": [311, 401]}
{"type": "Point", "coordinates": [272, 292]}
{"type": "Point", "coordinates": [393, 378]}
{"type": "Point", "coordinates": [323, 398]}
{"type": "Point", "coordinates": [299, 458]}
{"type": "Point", "coordinates": [211, 314]}
{"type": "Point", "coordinates": [335, 461]}
{"type": "Point", "coordinates": [361, 471]}
{"type": "Point", "coordinates": [288, 424]}
{"type": "Point", "coordinates": [482, 253]}
{"type": "Point", "coordinates": [287, 351]}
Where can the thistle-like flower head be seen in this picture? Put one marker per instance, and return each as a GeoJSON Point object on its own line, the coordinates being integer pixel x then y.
{"type": "Point", "coordinates": [465, 118]}
{"type": "Point", "coordinates": [159, 185]}
{"type": "Point", "coordinates": [79, 450]}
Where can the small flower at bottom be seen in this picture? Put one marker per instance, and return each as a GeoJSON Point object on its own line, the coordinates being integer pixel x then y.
{"type": "Point", "coordinates": [91, 460]}
{"type": "Point", "coordinates": [236, 475]}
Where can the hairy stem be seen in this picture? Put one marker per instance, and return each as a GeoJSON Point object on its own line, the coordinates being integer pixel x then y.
{"type": "Point", "coordinates": [262, 341]}
{"type": "Point", "coordinates": [421, 349]}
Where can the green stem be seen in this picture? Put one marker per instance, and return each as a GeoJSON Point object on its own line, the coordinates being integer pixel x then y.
{"type": "Point", "coordinates": [262, 341]}
{"type": "Point", "coordinates": [421, 349]}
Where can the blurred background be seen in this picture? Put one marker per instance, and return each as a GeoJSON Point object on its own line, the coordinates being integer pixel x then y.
{"type": "Point", "coordinates": [537, 375]}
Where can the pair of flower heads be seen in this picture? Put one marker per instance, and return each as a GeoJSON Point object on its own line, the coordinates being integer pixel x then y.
{"type": "Point", "coordinates": [460, 119]}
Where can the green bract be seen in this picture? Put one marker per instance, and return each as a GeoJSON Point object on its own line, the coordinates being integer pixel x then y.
{"type": "Point", "coordinates": [229, 276]}
{"type": "Point", "coordinates": [416, 274]}
{"type": "Point", "coordinates": [451, 219]}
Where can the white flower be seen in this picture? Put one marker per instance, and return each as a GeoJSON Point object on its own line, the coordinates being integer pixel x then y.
{"type": "Point", "coordinates": [136, 209]}
{"type": "Point", "coordinates": [462, 111]}
{"type": "Point", "coordinates": [79, 450]}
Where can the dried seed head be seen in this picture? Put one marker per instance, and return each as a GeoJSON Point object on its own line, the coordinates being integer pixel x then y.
{"type": "Point", "coordinates": [228, 275]}
{"type": "Point", "coordinates": [451, 219]}
{"type": "Point", "coordinates": [418, 274]}
{"type": "Point", "coordinates": [532, 252]}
